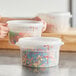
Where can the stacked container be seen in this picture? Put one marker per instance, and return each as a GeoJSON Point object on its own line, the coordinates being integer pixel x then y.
{"type": "Point", "coordinates": [36, 51]}
{"type": "Point", "coordinates": [24, 28]}
{"type": "Point", "coordinates": [40, 51]}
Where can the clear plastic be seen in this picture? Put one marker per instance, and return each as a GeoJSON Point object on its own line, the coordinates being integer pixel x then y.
{"type": "Point", "coordinates": [40, 51]}
{"type": "Point", "coordinates": [57, 22]}
{"type": "Point", "coordinates": [24, 28]}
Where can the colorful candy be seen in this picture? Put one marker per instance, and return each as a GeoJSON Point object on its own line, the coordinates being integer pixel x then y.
{"type": "Point", "coordinates": [37, 59]}
{"type": "Point", "coordinates": [14, 36]}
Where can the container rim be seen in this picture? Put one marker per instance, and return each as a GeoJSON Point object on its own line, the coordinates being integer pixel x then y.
{"type": "Point", "coordinates": [60, 14]}
{"type": "Point", "coordinates": [41, 40]}
{"type": "Point", "coordinates": [24, 23]}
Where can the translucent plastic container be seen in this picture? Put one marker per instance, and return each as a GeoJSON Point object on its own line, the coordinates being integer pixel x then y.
{"type": "Point", "coordinates": [40, 51]}
{"type": "Point", "coordinates": [24, 28]}
{"type": "Point", "coordinates": [57, 22]}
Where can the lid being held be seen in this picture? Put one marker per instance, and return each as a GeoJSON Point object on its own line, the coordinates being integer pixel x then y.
{"type": "Point", "coordinates": [24, 23]}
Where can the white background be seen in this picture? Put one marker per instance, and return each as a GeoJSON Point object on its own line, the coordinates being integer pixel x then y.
{"type": "Point", "coordinates": [27, 8]}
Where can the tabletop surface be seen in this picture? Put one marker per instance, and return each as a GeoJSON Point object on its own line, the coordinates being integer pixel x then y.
{"type": "Point", "coordinates": [10, 65]}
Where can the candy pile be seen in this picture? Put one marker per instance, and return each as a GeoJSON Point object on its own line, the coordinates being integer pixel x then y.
{"type": "Point", "coordinates": [37, 59]}
{"type": "Point", "coordinates": [14, 36]}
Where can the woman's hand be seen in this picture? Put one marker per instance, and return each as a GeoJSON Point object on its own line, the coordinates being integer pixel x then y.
{"type": "Point", "coordinates": [44, 23]}
{"type": "Point", "coordinates": [3, 29]}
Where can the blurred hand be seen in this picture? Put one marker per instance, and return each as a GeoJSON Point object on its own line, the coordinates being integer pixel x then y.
{"type": "Point", "coordinates": [5, 19]}
{"type": "Point", "coordinates": [3, 29]}
{"type": "Point", "coordinates": [44, 23]}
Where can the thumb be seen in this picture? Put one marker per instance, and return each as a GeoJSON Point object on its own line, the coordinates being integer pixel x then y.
{"type": "Point", "coordinates": [37, 18]}
{"type": "Point", "coordinates": [3, 24]}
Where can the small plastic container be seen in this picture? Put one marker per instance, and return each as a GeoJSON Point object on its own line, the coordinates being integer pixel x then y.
{"type": "Point", "coordinates": [57, 22]}
{"type": "Point", "coordinates": [24, 28]}
{"type": "Point", "coordinates": [40, 51]}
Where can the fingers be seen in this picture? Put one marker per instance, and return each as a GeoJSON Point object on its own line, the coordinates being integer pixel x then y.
{"type": "Point", "coordinates": [3, 28]}
{"type": "Point", "coordinates": [44, 23]}
{"type": "Point", "coordinates": [3, 31]}
{"type": "Point", "coordinates": [3, 24]}
{"type": "Point", "coordinates": [4, 19]}
{"type": "Point", "coordinates": [37, 19]}
{"type": "Point", "coordinates": [3, 34]}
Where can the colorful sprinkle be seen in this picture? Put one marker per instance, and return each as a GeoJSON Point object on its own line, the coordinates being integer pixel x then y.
{"type": "Point", "coordinates": [37, 59]}
{"type": "Point", "coordinates": [14, 36]}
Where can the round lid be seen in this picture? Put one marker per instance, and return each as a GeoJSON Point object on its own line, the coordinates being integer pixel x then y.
{"type": "Point", "coordinates": [22, 23]}
{"type": "Point", "coordinates": [60, 14]}
{"type": "Point", "coordinates": [35, 41]}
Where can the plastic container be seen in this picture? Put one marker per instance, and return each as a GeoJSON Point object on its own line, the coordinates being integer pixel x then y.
{"type": "Point", "coordinates": [24, 28]}
{"type": "Point", "coordinates": [40, 52]}
{"type": "Point", "coordinates": [57, 22]}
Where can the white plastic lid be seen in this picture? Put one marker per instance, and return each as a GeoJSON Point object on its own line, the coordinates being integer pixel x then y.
{"type": "Point", "coordinates": [24, 23]}
{"type": "Point", "coordinates": [38, 41]}
{"type": "Point", "coordinates": [60, 14]}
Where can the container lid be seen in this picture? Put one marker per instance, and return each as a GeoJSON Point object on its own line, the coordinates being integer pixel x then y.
{"type": "Point", "coordinates": [38, 41]}
{"type": "Point", "coordinates": [24, 23]}
{"type": "Point", "coordinates": [60, 14]}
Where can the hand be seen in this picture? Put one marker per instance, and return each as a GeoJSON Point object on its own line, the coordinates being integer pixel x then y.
{"type": "Point", "coordinates": [3, 29]}
{"type": "Point", "coordinates": [5, 19]}
{"type": "Point", "coordinates": [44, 23]}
